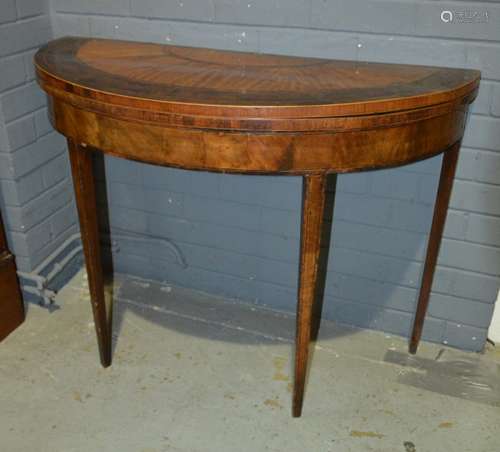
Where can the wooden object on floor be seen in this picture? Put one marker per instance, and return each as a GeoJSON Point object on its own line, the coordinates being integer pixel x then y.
{"type": "Point", "coordinates": [84, 184]}
{"type": "Point", "coordinates": [448, 168]}
{"type": "Point", "coordinates": [11, 302]}
{"type": "Point", "coordinates": [236, 112]}
{"type": "Point", "coordinates": [313, 210]}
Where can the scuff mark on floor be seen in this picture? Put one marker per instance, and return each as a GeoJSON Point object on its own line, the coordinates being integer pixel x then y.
{"type": "Point", "coordinates": [360, 434]}
{"type": "Point", "coordinates": [77, 396]}
{"type": "Point", "coordinates": [273, 403]}
{"type": "Point", "coordinates": [468, 378]}
{"type": "Point", "coordinates": [279, 364]}
{"type": "Point", "coordinates": [409, 446]}
{"type": "Point", "coordinates": [446, 424]}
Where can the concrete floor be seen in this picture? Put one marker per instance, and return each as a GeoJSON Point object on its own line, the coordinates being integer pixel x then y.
{"type": "Point", "coordinates": [195, 373]}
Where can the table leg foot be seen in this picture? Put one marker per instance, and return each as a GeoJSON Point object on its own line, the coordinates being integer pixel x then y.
{"type": "Point", "coordinates": [448, 167]}
{"type": "Point", "coordinates": [313, 205]}
{"type": "Point", "coordinates": [84, 184]}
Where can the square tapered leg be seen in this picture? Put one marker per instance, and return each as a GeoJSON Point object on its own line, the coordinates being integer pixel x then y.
{"type": "Point", "coordinates": [84, 183]}
{"type": "Point", "coordinates": [313, 208]}
{"type": "Point", "coordinates": [448, 168]}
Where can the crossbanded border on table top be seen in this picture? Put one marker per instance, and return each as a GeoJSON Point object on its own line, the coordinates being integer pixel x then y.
{"type": "Point", "coordinates": [185, 86]}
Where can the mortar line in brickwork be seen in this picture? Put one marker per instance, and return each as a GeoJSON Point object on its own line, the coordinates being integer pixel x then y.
{"type": "Point", "coordinates": [481, 245]}
{"type": "Point", "coordinates": [489, 184]}
{"type": "Point", "coordinates": [378, 226]}
{"type": "Point", "coordinates": [295, 240]}
{"type": "Point", "coordinates": [24, 19]}
{"type": "Point", "coordinates": [478, 212]}
{"type": "Point", "coordinates": [475, 149]}
{"type": "Point", "coordinates": [26, 115]}
{"type": "Point", "coordinates": [351, 275]}
{"type": "Point", "coordinates": [257, 26]}
{"type": "Point", "coordinates": [488, 215]}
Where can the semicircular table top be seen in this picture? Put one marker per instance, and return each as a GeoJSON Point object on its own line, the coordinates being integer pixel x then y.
{"type": "Point", "coordinates": [214, 110]}
{"type": "Point", "coordinates": [230, 84]}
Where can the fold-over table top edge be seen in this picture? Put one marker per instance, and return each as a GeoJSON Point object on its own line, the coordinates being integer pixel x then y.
{"type": "Point", "coordinates": [91, 73]}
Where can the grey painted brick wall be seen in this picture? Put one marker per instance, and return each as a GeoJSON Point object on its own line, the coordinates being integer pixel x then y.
{"type": "Point", "coordinates": [239, 234]}
{"type": "Point", "coordinates": [35, 192]}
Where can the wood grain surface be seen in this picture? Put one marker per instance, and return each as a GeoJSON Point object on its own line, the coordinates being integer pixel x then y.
{"type": "Point", "coordinates": [11, 301]}
{"type": "Point", "coordinates": [235, 84]}
{"type": "Point", "coordinates": [207, 109]}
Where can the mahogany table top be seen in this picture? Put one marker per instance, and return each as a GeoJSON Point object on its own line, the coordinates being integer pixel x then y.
{"type": "Point", "coordinates": [218, 110]}
{"type": "Point", "coordinates": [237, 84]}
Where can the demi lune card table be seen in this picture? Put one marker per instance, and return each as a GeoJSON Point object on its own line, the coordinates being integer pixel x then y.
{"type": "Point", "coordinates": [249, 113]}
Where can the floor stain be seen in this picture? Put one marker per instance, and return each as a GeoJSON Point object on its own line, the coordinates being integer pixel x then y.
{"type": "Point", "coordinates": [178, 355]}
{"type": "Point", "coordinates": [77, 396]}
{"type": "Point", "coordinates": [445, 425]}
{"type": "Point", "coordinates": [409, 446]}
{"type": "Point", "coordinates": [279, 364]}
{"type": "Point", "coordinates": [360, 434]}
{"type": "Point", "coordinates": [273, 403]}
{"type": "Point", "coordinates": [469, 378]}
{"type": "Point", "coordinates": [229, 396]}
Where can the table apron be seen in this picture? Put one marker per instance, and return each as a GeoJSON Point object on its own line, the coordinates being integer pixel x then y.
{"type": "Point", "coordinates": [245, 152]}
